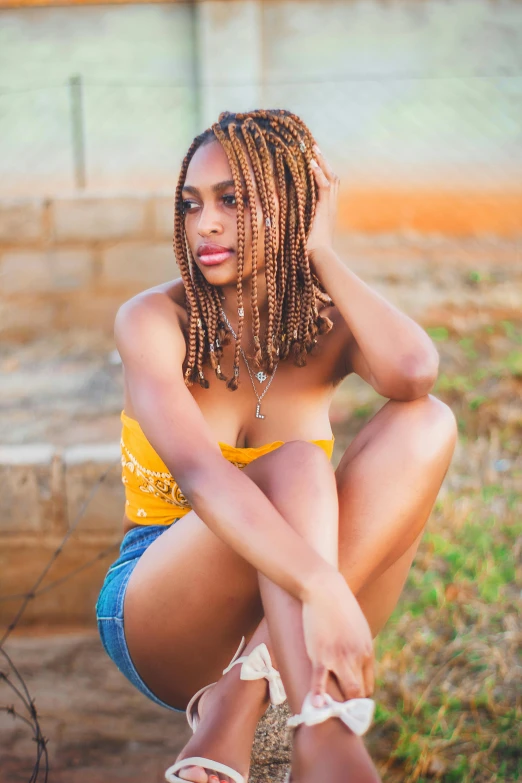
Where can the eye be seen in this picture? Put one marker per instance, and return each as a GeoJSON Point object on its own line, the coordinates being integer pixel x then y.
{"type": "Point", "coordinates": [233, 202]}
{"type": "Point", "coordinates": [187, 205]}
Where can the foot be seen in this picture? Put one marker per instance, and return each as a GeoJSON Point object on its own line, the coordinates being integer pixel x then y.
{"type": "Point", "coordinates": [330, 751]}
{"type": "Point", "coordinates": [229, 713]}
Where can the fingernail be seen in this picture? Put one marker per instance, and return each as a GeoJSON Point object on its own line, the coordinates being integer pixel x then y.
{"type": "Point", "coordinates": [318, 700]}
{"type": "Point", "coordinates": [316, 148]}
{"type": "Point", "coordinates": [314, 163]}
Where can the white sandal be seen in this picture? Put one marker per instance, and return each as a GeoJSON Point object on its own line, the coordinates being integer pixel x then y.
{"type": "Point", "coordinates": [357, 714]}
{"type": "Point", "coordinates": [198, 761]}
{"type": "Point", "coordinates": [256, 665]}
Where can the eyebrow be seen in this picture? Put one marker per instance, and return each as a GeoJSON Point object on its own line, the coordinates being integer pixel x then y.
{"type": "Point", "coordinates": [215, 188]}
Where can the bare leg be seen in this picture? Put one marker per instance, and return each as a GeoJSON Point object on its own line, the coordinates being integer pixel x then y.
{"type": "Point", "coordinates": [276, 480]}
{"type": "Point", "coordinates": [387, 483]}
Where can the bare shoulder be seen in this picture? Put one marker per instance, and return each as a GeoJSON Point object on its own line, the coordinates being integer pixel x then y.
{"type": "Point", "coordinates": [152, 323]}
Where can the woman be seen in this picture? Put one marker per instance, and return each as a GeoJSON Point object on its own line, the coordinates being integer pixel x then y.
{"type": "Point", "coordinates": [305, 563]}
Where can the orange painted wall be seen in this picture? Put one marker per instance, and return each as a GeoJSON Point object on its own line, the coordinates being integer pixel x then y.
{"type": "Point", "coordinates": [456, 213]}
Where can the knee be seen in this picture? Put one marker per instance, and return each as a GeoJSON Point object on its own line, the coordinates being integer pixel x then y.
{"type": "Point", "coordinates": [296, 463]}
{"type": "Point", "coordinates": [306, 458]}
{"type": "Point", "coordinates": [432, 431]}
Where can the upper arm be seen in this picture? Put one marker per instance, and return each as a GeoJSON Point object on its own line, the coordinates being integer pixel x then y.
{"type": "Point", "coordinates": [350, 357]}
{"type": "Point", "coordinates": [397, 384]}
{"type": "Point", "coordinates": [355, 362]}
{"type": "Point", "coordinates": [152, 347]}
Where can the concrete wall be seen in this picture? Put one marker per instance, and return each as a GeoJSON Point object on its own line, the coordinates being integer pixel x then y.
{"type": "Point", "coordinates": [416, 103]}
{"type": "Point", "coordinates": [137, 64]}
{"type": "Point", "coordinates": [44, 489]}
{"type": "Point", "coordinates": [70, 262]}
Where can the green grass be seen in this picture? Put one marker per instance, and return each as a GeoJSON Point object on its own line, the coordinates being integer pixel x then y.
{"type": "Point", "coordinates": [449, 687]}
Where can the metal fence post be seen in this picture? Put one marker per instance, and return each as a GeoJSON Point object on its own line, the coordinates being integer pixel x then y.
{"type": "Point", "coordinates": [78, 130]}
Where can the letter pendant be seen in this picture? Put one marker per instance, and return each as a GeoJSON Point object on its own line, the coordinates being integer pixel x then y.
{"type": "Point", "coordinates": [259, 415]}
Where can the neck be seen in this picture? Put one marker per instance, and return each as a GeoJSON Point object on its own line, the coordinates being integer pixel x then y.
{"type": "Point", "coordinates": [229, 305]}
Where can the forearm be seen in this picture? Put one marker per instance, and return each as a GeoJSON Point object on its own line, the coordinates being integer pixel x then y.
{"type": "Point", "coordinates": [241, 515]}
{"type": "Point", "coordinates": [394, 347]}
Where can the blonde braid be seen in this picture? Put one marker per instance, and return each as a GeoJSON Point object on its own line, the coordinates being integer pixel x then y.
{"type": "Point", "coordinates": [233, 382]}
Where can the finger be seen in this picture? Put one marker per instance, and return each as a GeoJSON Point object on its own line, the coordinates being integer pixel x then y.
{"type": "Point", "coordinates": [320, 176]}
{"type": "Point", "coordinates": [318, 685]}
{"type": "Point", "coordinates": [325, 166]}
{"type": "Point", "coordinates": [369, 675]}
{"type": "Point", "coordinates": [351, 684]}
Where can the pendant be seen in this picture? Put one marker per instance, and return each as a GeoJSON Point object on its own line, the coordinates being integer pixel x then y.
{"type": "Point", "coordinates": [261, 376]}
{"type": "Point", "coordinates": [259, 415]}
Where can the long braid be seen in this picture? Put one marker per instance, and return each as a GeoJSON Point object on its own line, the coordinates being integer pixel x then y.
{"type": "Point", "coordinates": [278, 146]}
{"type": "Point", "coordinates": [233, 382]}
{"type": "Point", "coordinates": [256, 324]}
{"type": "Point", "coordinates": [284, 153]}
{"type": "Point", "coordinates": [281, 266]}
{"type": "Point", "coordinates": [269, 266]}
{"type": "Point", "coordinates": [265, 160]}
{"type": "Point", "coordinates": [305, 335]}
{"type": "Point", "coordinates": [181, 253]}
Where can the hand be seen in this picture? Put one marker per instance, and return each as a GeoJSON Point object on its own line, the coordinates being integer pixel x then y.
{"type": "Point", "coordinates": [322, 231]}
{"type": "Point", "coordinates": [338, 640]}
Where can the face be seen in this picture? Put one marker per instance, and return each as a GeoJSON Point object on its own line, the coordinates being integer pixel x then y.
{"type": "Point", "coordinates": [211, 217]}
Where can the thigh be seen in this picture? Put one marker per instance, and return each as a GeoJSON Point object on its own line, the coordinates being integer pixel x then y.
{"type": "Point", "coordinates": [388, 480]}
{"type": "Point", "coordinates": [188, 602]}
{"type": "Point", "coordinates": [379, 597]}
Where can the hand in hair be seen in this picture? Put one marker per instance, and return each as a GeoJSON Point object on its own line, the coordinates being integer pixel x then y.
{"type": "Point", "coordinates": [323, 226]}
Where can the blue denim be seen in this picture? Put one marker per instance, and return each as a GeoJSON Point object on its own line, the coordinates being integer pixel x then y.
{"type": "Point", "coordinates": [109, 606]}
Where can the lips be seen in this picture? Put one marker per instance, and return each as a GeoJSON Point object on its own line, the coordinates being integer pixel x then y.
{"type": "Point", "coordinates": [210, 253]}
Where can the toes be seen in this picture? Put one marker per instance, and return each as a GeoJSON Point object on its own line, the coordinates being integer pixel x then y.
{"type": "Point", "coordinates": [199, 775]}
{"type": "Point", "coordinates": [193, 775]}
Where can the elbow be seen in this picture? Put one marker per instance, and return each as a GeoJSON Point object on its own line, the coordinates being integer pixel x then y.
{"type": "Point", "coordinates": [415, 378]}
{"type": "Point", "coordinates": [202, 482]}
{"type": "Point", "coordinates": [420, 375]}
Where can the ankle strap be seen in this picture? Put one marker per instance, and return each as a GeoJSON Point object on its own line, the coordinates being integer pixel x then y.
{"type": "Point", "coordinates": [357, 714]}
{"type": "Point", "coordinates": [258, 664]}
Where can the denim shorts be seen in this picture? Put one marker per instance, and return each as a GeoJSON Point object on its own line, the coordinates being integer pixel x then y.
{"type": "Point", "coordinates": [109, 606]}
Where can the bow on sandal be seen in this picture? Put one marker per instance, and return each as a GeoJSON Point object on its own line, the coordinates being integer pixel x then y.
{"type": "Point", "coordinates": [258, 665]}
{"type": "Point", "coordinates": [357, 714]}
{"type": "Point", "coordinates": [255, 666]}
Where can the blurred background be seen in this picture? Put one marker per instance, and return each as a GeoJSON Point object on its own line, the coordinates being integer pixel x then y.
{"type": "Point", "coordinates": [418, 106]}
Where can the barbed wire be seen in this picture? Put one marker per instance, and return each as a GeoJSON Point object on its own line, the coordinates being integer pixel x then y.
{"type": "Point", "coordinates": [12, 677]}
{"type": "Point", "coordinates": [333, 79]}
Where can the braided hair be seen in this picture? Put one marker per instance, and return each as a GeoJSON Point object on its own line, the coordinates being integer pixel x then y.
{"type": "Point", "coordinates": [278, 146]}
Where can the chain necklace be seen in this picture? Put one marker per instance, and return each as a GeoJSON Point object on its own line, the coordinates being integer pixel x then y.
{"type": "Point", "coordinates": [261, 376]}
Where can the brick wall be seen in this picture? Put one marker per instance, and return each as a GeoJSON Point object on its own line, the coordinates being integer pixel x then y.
{"type": "Point", "coordinates": [44, 490]}
{"type": "Point", "coordinates": [70, 262]}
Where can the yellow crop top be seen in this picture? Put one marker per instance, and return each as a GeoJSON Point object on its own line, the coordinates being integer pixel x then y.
{"type": "Point", "coordinates": [152, 496]}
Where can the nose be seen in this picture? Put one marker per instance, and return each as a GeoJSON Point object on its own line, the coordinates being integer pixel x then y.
{"type": "Point", "coordinates": [209, 222]}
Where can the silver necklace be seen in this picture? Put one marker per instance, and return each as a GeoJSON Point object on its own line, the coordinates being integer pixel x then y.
{"type": "Point", "coordinates": [261, 376]}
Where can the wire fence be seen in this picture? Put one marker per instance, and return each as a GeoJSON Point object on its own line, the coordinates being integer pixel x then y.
{"type": "Point", "coordinates": [23, 707]}
{"type": "Point", "coordinates": [96, 135]}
